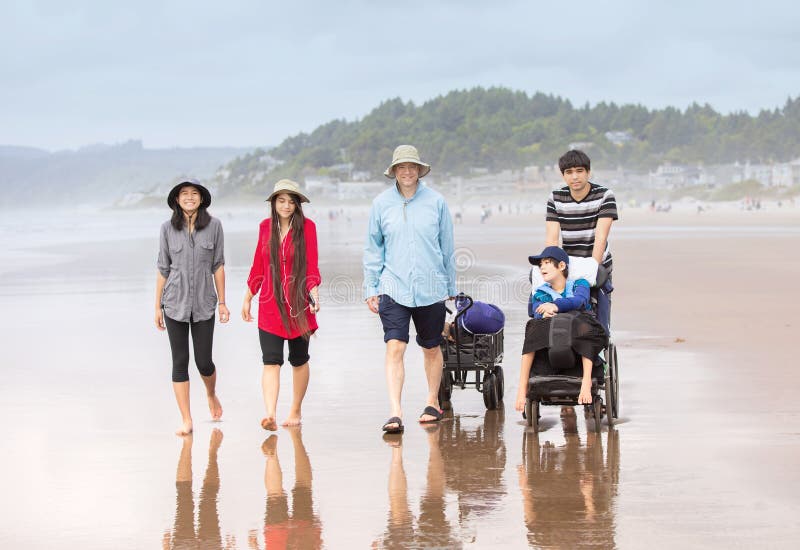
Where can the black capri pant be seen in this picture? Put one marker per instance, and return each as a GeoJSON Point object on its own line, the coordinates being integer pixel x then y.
{"type": "Point", "coordinates": [202, 341]}
{"type": "Point", "coordinates": [272, 349]}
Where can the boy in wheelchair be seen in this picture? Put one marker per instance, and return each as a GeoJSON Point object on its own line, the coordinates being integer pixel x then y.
{"type": "Point", "coordinates": [560, 304]}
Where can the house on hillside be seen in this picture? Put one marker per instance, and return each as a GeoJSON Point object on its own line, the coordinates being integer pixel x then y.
{"type": "Point", "coordinates": [673, 176]}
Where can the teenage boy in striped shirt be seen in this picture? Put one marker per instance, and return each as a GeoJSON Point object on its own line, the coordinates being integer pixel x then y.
{"type": "Point", "coordinates": [581, 214]}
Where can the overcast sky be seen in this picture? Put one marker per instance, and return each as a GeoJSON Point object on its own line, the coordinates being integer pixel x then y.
{"type": "Point", "coordinates": [248, 73]}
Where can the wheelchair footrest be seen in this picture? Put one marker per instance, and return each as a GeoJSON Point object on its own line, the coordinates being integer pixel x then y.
{"type": "Point", "coordinates": [546, 387]}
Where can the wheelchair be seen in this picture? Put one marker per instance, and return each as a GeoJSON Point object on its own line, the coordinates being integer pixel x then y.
{"type": "Point", "coordinates": [545, 390]}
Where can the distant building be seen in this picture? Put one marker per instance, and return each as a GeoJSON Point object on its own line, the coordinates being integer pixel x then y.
{"type": "Point", "coordinates": [619, 138]}
{"type": "Point", "coordinates": [674, 176]}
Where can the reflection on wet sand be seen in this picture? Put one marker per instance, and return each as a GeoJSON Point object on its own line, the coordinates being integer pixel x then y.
{"type": "Point", "coordinates": [206, 534]}
{"type": "Point", "coordinates": [302, 528]}
{"type": "Point", "coordinates": [433, 529]}
{"type": "Point", "coordinates": [475, 458]}
{"type": "Point", "coordinates": [469, 462]}
{"type": "Point", "coordinates": [568, 491]}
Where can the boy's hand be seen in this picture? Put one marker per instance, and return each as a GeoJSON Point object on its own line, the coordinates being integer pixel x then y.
{"type": "Point", "coordinates": [547, 310]}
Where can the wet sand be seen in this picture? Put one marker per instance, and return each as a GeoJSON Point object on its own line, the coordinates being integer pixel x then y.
{"type": "Point", "coordinates": [705, 456]}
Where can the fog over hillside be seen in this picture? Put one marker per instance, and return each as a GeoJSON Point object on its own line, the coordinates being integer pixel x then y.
{"type": "Point", "coordinates": [100, 174]}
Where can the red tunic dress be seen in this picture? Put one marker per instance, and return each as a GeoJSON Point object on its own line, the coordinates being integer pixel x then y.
{"type": "Point", "coordinates": [269, 317]}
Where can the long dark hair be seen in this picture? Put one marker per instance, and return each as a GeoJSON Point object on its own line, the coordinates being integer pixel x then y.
{"type": "Point", "coordinates": [297, 281]}
{"type": "Point", "coordinates": [178, 219]}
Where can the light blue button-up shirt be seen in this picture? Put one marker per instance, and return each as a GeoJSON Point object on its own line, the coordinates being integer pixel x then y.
{"type": "Point", "coordinates": [409, 250]}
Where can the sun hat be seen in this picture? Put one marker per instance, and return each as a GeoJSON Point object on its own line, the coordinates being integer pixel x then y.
{"type": "Point", "coordinates": [407, 153]}
{"type": "Point", "coordinates": [287, 186]}
{"type": "Point", "coordinates": [555, 252]}
{"type": "Point", "coordinates": [172, 198]}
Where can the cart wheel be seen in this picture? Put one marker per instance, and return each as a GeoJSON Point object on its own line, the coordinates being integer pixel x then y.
{"type": "Point", "coordinates": [446, 391]}
{"type": "Point", "coordinates": [490, 391]}
{"type": "Point", "coordinates": [613, 375]}
{"type": "Point", "coordinates": [501, 384]}
{"type": "Point", "coordinates": [597, 409]}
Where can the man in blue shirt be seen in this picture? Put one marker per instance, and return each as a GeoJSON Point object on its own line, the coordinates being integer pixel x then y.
{"type": "Point", "coordinates": [408, 273]}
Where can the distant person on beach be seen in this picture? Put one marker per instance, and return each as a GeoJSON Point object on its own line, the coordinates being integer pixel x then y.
{"type": "Point", "coordinates": [190, 285]}
{"type": "Point", "coordinates": [581, 214]}
{"type": "Point", "coordinates": [409, 272]}
{"type": "Point", "coordinates": [557, 295]}
{"type": "Point", "coordinates": [285, 275]}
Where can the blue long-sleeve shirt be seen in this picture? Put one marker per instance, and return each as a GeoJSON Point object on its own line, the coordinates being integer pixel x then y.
{"type": "Point", "coordinates": [579, 299]}
{"type": "Point", "coordinates": [409, 249]}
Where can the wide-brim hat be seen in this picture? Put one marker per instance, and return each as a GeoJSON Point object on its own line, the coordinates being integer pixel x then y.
{"type": "Point", "coordinates": [172, 198]}
{"type": "Point", "coordinates": [407, 153]}
{"type": "Point", "coordinates": [287, 186]}
{"type": "Point", "coordinates": [555, 252]}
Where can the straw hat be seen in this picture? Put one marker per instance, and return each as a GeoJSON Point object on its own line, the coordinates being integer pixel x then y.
{"type": "Point", "coordinates": [172, 198]}
{"type": "Point", "coordinates": [407, 153]}
{"type": "Point", "coordinates": [287, 186]}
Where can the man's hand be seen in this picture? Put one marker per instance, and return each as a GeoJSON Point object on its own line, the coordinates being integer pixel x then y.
{"type": "Point", "coordinates": [372, 303]}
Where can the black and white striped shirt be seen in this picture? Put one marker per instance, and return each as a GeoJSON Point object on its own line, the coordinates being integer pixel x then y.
{"type": "Point", "coordinates": [578, 219]}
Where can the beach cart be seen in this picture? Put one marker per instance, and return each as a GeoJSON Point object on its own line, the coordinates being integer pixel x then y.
{"type": "Point", "coordinates": [471, 360]}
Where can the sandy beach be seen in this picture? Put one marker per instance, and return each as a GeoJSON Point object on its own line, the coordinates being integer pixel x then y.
{"type": "Point", "coordinates": [705, 454]}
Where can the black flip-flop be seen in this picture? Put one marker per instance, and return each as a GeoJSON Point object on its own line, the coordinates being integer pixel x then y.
{"type": "Point", "coordinates": [393, 430]}
{"type": "Point", "coordinates": [431, 411]}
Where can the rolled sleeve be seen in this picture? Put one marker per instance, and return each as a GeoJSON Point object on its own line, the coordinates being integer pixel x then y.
{"type": "Point", "coordinates": [447, 245]}
{"type": "Point", "coordinates": [256, 276]}
{"type": "Point", "coordinates": [219, 249]}
{"type": "Point", "coordinates": [374, 255]}
{"type": "Point", "coordinates": [313, 277]}
{"type": "Point", "coordinates": [164, 260]}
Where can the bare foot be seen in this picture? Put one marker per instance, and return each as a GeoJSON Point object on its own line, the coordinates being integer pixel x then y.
{"type": "Point", "coordinates": [269, 423]}
{"type": "Point", "coordinates": [585, 397]}
{"type": "Point", "coordinates": [269, 445]}
{"type": "Point", "coordinates": [292, 420]}
{"type": "Point", "coordinates": [215, 407]}
{"type": "Point", "coordinates": [185, 429]}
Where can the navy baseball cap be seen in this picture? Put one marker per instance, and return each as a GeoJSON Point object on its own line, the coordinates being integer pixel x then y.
{"type": "Point", "coordinates": [555, 252]}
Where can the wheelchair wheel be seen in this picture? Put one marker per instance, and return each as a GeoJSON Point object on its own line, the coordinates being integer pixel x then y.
{"type": "Point", "coordinates": [532, 414]}
{"type": "Point", "coordinates": [608, 384]}
{"type": "Point", "coordinates": [597, 410]}
{"type": "Point", "coordinates": [490, 391]}
{"type": "Point", "coordinates": [612, 382]}
{"type": "Point", "coordinates": [446, 391]}
{"type": "Point", "coordinates": [501, 384]}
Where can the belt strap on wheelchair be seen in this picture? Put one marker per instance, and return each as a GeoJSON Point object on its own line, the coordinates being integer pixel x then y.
{"type": "Point", "coordinates": [561, 355]}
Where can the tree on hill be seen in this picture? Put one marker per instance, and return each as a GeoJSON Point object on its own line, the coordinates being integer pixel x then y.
{"type": "Point", "coordinates": [499, 128]}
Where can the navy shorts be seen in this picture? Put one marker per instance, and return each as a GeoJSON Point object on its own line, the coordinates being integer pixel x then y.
{"type": "Point", "coordinates": [428, 320]}
{"type": "Point", "coordinates": [272, 349]}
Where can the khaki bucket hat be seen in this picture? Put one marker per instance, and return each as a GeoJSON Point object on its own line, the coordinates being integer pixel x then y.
{"type": "Point", "coordinates": [407, 153]}
{"type": "Point", "coordinates": [287, 186]}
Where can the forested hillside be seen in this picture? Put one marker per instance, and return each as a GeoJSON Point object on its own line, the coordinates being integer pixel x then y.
{"type": "Point", "coordinates": [499, 128]}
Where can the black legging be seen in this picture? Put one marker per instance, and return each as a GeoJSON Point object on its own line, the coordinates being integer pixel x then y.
{"type": "Point", "coordinates": [202, 341]}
